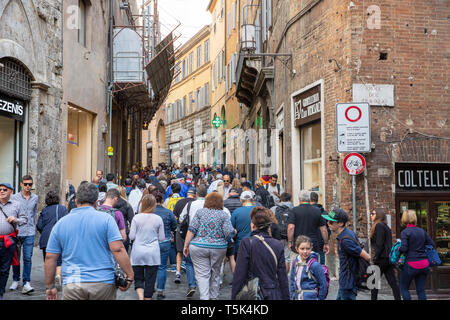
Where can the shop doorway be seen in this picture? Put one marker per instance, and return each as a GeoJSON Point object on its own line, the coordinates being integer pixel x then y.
{"type": "Point", "coordinates": [433, 215]}
{"type": "Point", "coordinates": [10, 146]}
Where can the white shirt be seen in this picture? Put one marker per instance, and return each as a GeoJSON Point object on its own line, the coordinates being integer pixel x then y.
{"type": "Point", "coordinates": [272, 189]}
{"type": "Point", "coordinates": [134, 198]}
{"type": "Point", "coordinates": [196, 205]}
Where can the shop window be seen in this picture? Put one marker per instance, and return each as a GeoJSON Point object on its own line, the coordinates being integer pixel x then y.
{"type": "Point", "coordinates": [421, 210]}
{"type": "Point", "coordinates": [443, 231]}
{"type": "Point", "coordinates": [7, 149]}
{"type": "Point", "coordinates": [311, 158]}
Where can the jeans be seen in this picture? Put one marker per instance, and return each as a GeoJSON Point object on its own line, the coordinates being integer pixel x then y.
{"type": "Point", "coordinates": [26, 245]}
{"type": "Point", "coordinates": [145, 278]}
{"type": "Point", "coordinates": [322, 257]}
{"type": "Point", "coordinates": [173, 254]}
{"type": "Point", "coordinates": [419, 276]}
{"type": "Point", "coordinates": [190, 273]}
{"type": "Point", "coordinates": [347, 294]}
{"type": "Point", "coordinates": [164, 249]}
{"type": "Point", "coordinates": [6, 256]}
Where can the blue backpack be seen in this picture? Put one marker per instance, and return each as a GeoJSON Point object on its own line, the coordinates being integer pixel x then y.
{"type": "Point", "coordinates": [432, 256]}
{"type": "Point", "coordinates": [395, 256]}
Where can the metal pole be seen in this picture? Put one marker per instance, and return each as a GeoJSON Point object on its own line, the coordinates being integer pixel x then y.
{"type": "Point", "coordinates": [111, 41]}
{"type": "Point", "coordinates": [354, 202]}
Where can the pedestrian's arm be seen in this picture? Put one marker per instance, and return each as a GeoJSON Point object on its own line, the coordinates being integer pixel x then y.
{"type": "Point", "coordinates": [365, 255]}
{"type": "Point", "coordinates": [40, 223]}
{"type": "Point", "coordinates": [324, 232]}
{"type": "Point", "coordinates": [50, 270]}
{"type": "Point", "coordinates": [22, 216]}
{"type": "Point", "coordinates": [123, 233]}
{"type": "Point", "coordinates": [290, 234]}
{"type": "Point", "coordinates": [132, 234]}
{"type": "Point", "coordinates": [121, 256]}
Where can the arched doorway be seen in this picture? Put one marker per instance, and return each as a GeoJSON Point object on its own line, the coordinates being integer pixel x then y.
{"type": "Point", "coordinates": [15, 94]}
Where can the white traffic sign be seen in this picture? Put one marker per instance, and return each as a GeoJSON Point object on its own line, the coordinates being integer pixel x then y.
{"type": "Point", "coordinates": [353, 127]}
{"type": "Point", "coordinates": [354, 164]}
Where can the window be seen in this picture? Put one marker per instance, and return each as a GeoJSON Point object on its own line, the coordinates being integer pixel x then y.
{"type": "Point", "coordinates": [213, 78]}
{"type": "Point", "coordinates": [222, 7]}
{"type": "Point", "coordinates": [206, 51]}
{"type": "Point", "coordinates": [233, 67]}
{"type": "Point", "coordinates": [199, 100]}
{"type": "Point", "coordinates": [82, 22]}
{"type": "Point", "coordinates": [191, 62]}
{"type": "Point", "coordinates": [184, 70]}
{"type": "Point", "coordinates": [311, 155]}
{"type": "Point", "coordinates": [177, 73]}
{"type": "Point", "coordinates": [199, 56]}
{"type": "Point", "coordinates": [191, 104]}
{"type": "Point", "coordinates": [183, 107]}
{"type": "Point", "coordinates": [229, 24]}
{"type": "Point", "coordinates": [226, 78]}
{"type": "Point", "coordinates": [233, 15]}
{"type": "Point", "coordinates": [207, 94]}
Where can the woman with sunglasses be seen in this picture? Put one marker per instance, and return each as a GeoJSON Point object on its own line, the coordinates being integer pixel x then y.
{"type": "Point", "coordinates": [381, 241]}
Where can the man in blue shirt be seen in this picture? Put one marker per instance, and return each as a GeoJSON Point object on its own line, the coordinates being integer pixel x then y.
{"type": "Point", "coordinates": [348, 249]}
{"type": "Point", "coordinates": [89, 241]}
{"type": "Point", "coordinates": [240, 219]}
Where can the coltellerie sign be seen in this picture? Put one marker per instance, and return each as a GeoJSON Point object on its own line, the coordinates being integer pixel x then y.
{"type": "Point", "coordinates": [432, 177]}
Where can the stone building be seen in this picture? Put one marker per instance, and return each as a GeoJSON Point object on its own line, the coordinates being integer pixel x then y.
{"type": "Point", "coordinates": [187, 113]}
{"type": "Point", "coordinates": [31, 89]}
{"type": "Point", "coordinates": [392, 55]}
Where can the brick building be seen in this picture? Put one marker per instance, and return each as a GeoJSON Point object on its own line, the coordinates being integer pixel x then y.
{"type": "Point", "coordinates": [391, 54]}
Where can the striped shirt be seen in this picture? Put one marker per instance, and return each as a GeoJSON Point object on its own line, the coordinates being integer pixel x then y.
{"type": "Point", "coordinates": [11, 209]}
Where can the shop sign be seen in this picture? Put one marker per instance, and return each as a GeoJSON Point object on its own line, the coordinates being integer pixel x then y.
{"type": "Point", "coordinates": [425, 177]}
{"type": "Point", "coordinates": [12, 108]}
{"type": "Point", "coordinates": [307, 106]}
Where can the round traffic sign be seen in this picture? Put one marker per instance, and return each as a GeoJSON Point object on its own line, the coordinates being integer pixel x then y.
{"type": "Point", "coordinates": [354, 164]}
{"type": "Point", "coordinates": [353, 113]}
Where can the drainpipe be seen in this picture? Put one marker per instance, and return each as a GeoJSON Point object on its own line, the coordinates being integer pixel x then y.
{"type": "Point", "coordinates": [109, 102]}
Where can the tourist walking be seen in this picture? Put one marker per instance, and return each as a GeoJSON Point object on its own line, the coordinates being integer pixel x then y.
{"type": "Point", "coordinates": [136, 194]}
{"type": "Point", "coordinates": [108, 206]}
{"type": "Point", "coordinates": [381, 242]}
{"type": "Point", "coordinates": [307, 278]}
{"type": "Point", "coordinates": [25, 244]}
{"type": "Point", "coordinates": [49, 216]}
{"type": "Point", "coordinates": [127, 212]}
{"type": "Point", "coordinates": [206, 242]}
{"type": "Point", "coordinates": [349, 251]}
{"type": "Point", "coordinates": [240, 219]}
{"type": "Point", "coordinates": [170, 226]}
{"type": "Point", "coordinates": [147, 230]}
{"type": "Point", "coordinates": [89, 243]}
{"type": "Point", "coordinates": [416, 267]}
{"type": "Point", "coordinates": [12, 216]}
{"type": "Point", "coordinates": [261, 256]}
{"type": "Point", "coordinates": [305, 219]}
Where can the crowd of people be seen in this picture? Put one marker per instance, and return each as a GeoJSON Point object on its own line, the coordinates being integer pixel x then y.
{"type": "Point", "coordinates": [113, 233]}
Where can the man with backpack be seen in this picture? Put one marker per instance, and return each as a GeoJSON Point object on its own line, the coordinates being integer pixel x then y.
{"type": "Point", "coordinates": [281, 212]}
{"type": "Point", "coordinates": [314, 202]}
{"type": "Point", "coordinates": [186, 216]}
{"type": "Point", "coordinates": [111, 199]}
{"type": "Point", "coordinates": [275, 190]}
{"type": "Point", "coordinates": [350, 253]}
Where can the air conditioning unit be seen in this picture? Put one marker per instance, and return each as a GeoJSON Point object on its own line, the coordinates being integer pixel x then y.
{"type": "Point", "coordinates": [248, 37]}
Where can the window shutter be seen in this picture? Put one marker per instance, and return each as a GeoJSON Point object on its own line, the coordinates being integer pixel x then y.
{"type": "Point", "coordinates": [233, 15]}
{"type": "Point", "coordinates": [226, 78]}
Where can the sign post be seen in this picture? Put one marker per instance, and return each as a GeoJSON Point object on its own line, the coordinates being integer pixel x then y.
{"type": "Point", "coordinates": [354, 164]}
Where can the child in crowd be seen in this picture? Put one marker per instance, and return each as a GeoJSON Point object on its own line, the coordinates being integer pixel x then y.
{"type": "Point", "coordinates": [307, 278]}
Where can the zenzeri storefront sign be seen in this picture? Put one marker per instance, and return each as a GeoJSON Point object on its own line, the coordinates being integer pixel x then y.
{"type": "Point", "coordinates": [12, 108]}
{"type": "Point", "coordinates": [307, 106]}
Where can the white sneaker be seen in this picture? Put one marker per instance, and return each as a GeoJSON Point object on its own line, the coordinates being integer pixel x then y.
{"type": "Point", "coordinates": [27, 288]}
{"type": "Point", "coordinates": [14, 285]}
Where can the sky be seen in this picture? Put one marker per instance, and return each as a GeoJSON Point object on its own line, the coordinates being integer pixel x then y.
{"type": "Point", "coordinates": [191, 14]}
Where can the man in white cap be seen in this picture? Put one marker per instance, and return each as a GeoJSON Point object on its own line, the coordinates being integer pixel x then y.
{"type": "Point", "coordinates": [240, 219]}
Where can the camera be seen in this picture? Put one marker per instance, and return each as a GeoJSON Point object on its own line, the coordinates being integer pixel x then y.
{"type": "Point", "coordinates": [120, 279]}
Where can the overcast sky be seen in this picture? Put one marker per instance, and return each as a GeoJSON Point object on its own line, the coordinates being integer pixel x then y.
{"type": "Point", "coordinates": [191, 14]}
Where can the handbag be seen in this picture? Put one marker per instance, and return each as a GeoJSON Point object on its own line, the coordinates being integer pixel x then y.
{"type": "Point", "coordinates": [252, 290]}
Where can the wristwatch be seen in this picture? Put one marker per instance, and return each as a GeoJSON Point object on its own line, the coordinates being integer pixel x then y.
{"type": "Point", "coordinates": [50, 288]}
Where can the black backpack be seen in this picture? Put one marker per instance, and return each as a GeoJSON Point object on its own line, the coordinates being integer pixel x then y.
{"type": "Point", "coordinates": [184, 226]}
{"type": "Point", "coordinates": [361, 275]}
{"type": "Point", "coordinates": [282, 215]}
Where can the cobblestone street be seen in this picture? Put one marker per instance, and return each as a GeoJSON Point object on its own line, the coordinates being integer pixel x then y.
{"type": "Point", "coordinates": [173, 291]}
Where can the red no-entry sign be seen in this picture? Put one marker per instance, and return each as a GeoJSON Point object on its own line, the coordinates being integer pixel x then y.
{"type": "Point", "coordinates": [353, 127]}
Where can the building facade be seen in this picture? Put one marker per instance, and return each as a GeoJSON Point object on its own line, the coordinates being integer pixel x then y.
{"type": "Point", "coordinates": [31, 85]}
{"type": "Point", "coordinates": [187, 109]}
{"type": "Point", "coordinates": [382, 54]}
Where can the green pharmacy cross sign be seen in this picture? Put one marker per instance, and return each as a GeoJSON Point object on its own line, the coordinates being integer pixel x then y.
{"type": "Point", "coordinates": [217, 122]}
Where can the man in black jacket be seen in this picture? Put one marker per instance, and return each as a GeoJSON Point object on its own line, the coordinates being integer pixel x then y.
{"type": "Point", "coordinates": [314, 202]}
{"type": "Point", "coordinates": [233, 202]}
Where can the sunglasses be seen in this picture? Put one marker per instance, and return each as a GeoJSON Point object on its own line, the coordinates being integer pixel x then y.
{"type": "Point", "coordinates": [28, 184]}
{"type": "Point", "coordinates": [3, 190]}
{"type": "Point", "coordinates": [226, 180]}
{"type": "Point", "coordinates": [373, 213]}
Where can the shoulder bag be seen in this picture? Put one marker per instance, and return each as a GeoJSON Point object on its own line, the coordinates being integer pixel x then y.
{"type": "Point", "coordinates": [252, 290]}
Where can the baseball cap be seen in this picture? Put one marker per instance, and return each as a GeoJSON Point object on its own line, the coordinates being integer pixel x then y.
{"type": "Point", "coordinates": [246, 195]}
{"type": "Point", "coordinates": [191, 191]}
{"type": "Point", "coordinates": [336, 215]}
{"type": "Point", "coordinates": [7, 185]}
